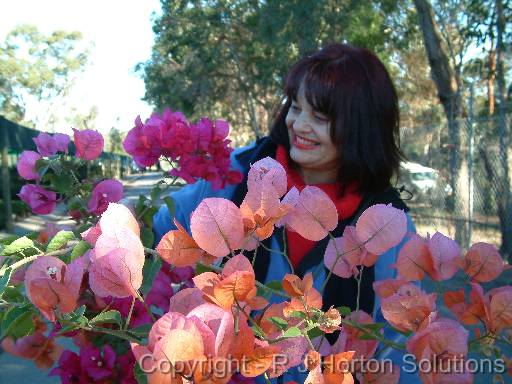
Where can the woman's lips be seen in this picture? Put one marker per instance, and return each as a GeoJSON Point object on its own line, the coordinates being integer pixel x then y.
{"type": "Point", "coordinates": [303, 143]}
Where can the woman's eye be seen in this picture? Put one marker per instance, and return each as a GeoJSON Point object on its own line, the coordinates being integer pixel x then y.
{"type": "Point", "coordinates": [322, 118]}
{"type": "Point", "coordinates": [295, 108]}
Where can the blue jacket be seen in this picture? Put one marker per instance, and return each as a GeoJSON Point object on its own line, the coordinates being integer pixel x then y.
{"type": "Point", "coordinates": [274, 267]}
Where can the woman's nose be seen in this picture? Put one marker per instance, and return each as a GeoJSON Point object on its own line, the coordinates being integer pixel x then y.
{"type": "Point", "coordinates": [301, 124]}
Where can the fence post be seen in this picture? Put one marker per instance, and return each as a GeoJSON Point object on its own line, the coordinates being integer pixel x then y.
{"type": "Point", "coordinates": [6, 185]}
{"type": "Point", "coordinates": [471, 185]}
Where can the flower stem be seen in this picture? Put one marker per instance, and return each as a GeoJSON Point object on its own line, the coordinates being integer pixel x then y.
{"type": "Point", "coordinates": [128, 319]}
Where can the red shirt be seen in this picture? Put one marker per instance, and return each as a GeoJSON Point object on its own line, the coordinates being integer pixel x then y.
{"type": "Point", "coordinates": [346, 206]}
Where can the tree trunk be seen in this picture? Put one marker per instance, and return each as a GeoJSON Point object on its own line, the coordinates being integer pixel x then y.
{"type": "Point", "coordinates": [446, 83]}
{"type": "Point", "coordinates": [6, 185]}
{"type": "Point", "coordinates": [490, 80]}
{"type": "Point", "coordinates": [506, 226]}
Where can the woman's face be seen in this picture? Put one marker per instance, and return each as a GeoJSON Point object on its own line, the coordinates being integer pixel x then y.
{"type": "Point", "coordinates": [311, 146]}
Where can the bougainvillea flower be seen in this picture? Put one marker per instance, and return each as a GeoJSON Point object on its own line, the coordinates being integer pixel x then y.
{"type": "Point", "coordinates": [336, 370]}
{"type": "Point", "coordinates": [294, 349]}
{"type": "Point", "coordinates": [217, 226]}
{"type": "Point", "coordinates": [294, 286]}
{"type": "Point", "coordinates": [344, 254]}
{"type": "Point", "coordinates": [437, 256]}
{"type": "Point", "coordinates": [349, 338]}
{"type": "Point", "coordinates": [61, 141]}
{"type": "Point", "coordinates": [116, 264]}
{"type": "Point", "coordinates": [161, 291]}
{"type": "Point", "coordinates": [307, 303]}
{"type": "Point", "coordinates": [381, 227]}
{"type": "Point", "coordinates": [264, 173]}
{"type": "Point", "coordinates": [482, 263]}
{"type": "Point", "coordinates": [69, 369]}
{"type": "Point", "coordinates": [409, 308]}
{"type": "Point", "coordinates": [493, 309]}
{"type": "Point", "coordinates": [236, 284]}
{"type": "Point", "coordinates": [330, 321]}
{"type": "Point", "coordinates": [312, 215]}
{"type": "Point", "coordinates": [443, 340]}
{"type": "Point", "coordinates": [98, 364]}
{"type": "Point", "coordinates": [105, 192]}
{"type": "Point", "coordinates": [46, 144]}
{"type": "Point", "coordinates": [89, 144]}
{"type": "Point", "coordinates": [178, 248]}
{"type": "Point", "coordinates": [140, 315]}
{"type": "Point", "coordinates": [118, 255]}
{"type": "Point", "coordinates": [222, 326]}
{"type": "Point", "coordinates": [27, 165]}
{"type": "Point", "coordinates": [37, 347]}
{"type": "Point", "coordinates": [186, 300]}
{"type": "Point", "coordinates": [51, 284]}
{"type": "Point", "coordinates": [260, 211]}
{"type": "Point", "coordinates": [143, 143]}
{"type": "Point", "coordinates": [41, 201]}
{"type": "Point", "coordinates": [178, 340]}
{"type": "Point", "coordinates": [116, 216]}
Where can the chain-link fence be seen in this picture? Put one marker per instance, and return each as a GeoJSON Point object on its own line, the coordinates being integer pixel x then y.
{"type": "Point", "coordinates": [474, 203]}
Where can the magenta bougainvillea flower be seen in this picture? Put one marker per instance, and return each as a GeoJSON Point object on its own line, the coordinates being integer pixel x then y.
{"type": "Point", "coordinates": [89, 144]}
{"type": "Point", "coordinates": [200, 150]}
{"type": "Point", "coordinates": [41, 201]}
{"type": "Point", "coordinates": [140, 315]}
{"type": "Point", "coordinates": [106, 191]}
{"type": "Point", "coordinates": [143, 143]}
{"type": "Point", "coordinates": [46, 144]}
{"type": "Point", "coordinates": [69, 369]}
{"type": "Point", "coordinates": [27, 165]}
{"type": "Point", "coordinates": [161, 291]}
{"type": "Point", "coordinates": [98, 365]}
{"type": "Point", "coordinates": [61, 141]}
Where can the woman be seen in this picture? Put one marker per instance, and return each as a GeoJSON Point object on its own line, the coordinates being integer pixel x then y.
{"type": "Point", "coordinates": [338, 130]}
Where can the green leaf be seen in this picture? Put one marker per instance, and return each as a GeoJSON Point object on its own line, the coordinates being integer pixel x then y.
{"type": "Point", "coordinates": [374, 326]}
{"type": "Point", "coordinates": [276, 285]}
{"type": "Point", "coordinates": [292, 332]}
{"type": "Point", "coordinates": [61, 183]}
{"type": "Point", "coordinates": [367, 336]}
{"type": "Point", "coordinates": [141, 205]}
{"type": "Point", "coordinates": [156, 191]}
{"type": "Point", "coordinates": [147, 237]}
{"type": "Point", "coordinates": [4, 280]}
{"type": "Point", "coordinates": [257, 332]}
{"type": "Point", "coordinates": [13, 295]}
{"type": "Point", "coordinates": [148, 216]}
{"type": "Point", "coordinates": [149, 271]}
{"type": "Point", "coordinates": [17, 322]}
{"type": "Point", "coordinates": [201, 268]}
{"type": "Point", "coordinates": [111, 317]}
{"type": "Point", "coordinates": [282, 324]}
{"type": "Point", "coordinates": [298, 314]}
{"type": "Point", "coordinates": [60, 240]}
{"type": "Point", "coordinates": [42, 167]}
{"type": "Point", "coordinates": [80, 249]}
{"type": "Point", "coordinates": [79, 312]}
{"type": "Point", "coordinates": [139, 374]}
{"type": "Point", "coordinates": [169, 201]}
{"type": "Point", "coordinates": [17, 245]}
{"type": "Point", "coordinates": [344, 311]}
{"type": "Point", "coordinates": [141, 330]}
{"type": "Point", "coordinates": [315, 332]}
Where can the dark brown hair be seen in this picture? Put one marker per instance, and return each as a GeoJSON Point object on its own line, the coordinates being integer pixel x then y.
{"type": "Point", "coordinates": [353, 88]}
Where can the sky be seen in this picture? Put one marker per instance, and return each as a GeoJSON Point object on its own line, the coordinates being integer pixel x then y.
{"type": "Point", "coordinates": [120, 33]}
